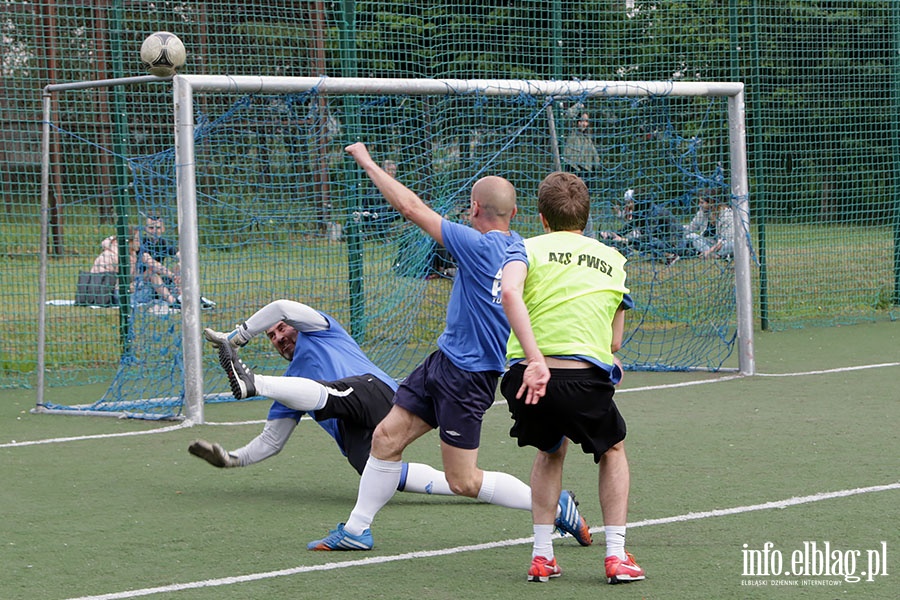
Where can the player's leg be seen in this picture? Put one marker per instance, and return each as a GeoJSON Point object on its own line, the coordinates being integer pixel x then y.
{"type": "Point", "coordinates": [240, 378]}
{"type": "Point", "coordinates": [539, 425]}
{"type": "Point", "coordinates": [599, 428]}
{"type": "Point", "coordinates": [297, 393]}
{"type": "Point", "coordinates": [361, 403]}
{"type": "Point", "coordinates": [505, 490]}
{"type": "Point", "coordinates": [383, 470]}
{"type": "Point", "coordinates": [378, 482]}
{"type": "Point", "coordinates": [363, 400]}
{"type": "Point", "coordinates": [458, 400]}
{"type": "Point", "coordinates": [415, 478]}
{"type": "Point", "coordinates": [546, 483]}
{"type": "Point", "coordinates": [461, 398]}
{"type": "Point", "coordinates": [534, 425]}
{"type": "Point", "coordinates": [418, 478]}
{"type": "Point", "coordinates": [546, 486]}
{"type": "Point", "coordinates": [614, 482]}
{"type": "Point", "coordinates": [492, 487]}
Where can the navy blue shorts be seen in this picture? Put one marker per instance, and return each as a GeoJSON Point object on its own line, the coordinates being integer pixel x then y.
{"type": "Point", "coordinates": [578, 405]}
{"type": "Point", "coordinates": [449, 398]}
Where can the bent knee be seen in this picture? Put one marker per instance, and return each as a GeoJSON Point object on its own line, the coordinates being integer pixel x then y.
{"type": "Point", "coordinates": [464, 486]}
{"type": "Point", "coordinates": [386, 445]}
{"type": "Point", "coordinates": [395, 432]}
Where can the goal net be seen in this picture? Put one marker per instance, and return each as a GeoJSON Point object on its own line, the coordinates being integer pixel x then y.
{"type": "Point", "coordinates": [264, 204]}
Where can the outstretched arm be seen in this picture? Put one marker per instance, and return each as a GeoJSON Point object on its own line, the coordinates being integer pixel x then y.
{"type": "Point", "coordinates": [268, 443]}
{"type": "Point", "coordinates": [403, 199]}
{"type": "Point", "coordinates": [301, 317]}
{"type": "Point", "coordinates": [296, 314]}
{"type": "Point", "coordinates": [274, 436]}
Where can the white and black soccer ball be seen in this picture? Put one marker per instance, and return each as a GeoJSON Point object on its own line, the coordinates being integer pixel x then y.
{"type": "Point", "coordinates": [162, 53]}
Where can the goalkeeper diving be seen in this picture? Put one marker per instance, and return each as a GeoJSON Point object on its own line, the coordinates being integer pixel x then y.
{"type": "Point", "coordinates": [332, 380]}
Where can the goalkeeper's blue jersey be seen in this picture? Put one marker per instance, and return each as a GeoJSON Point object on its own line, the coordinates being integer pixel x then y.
{"type": "Point", "coordinates": [327, 355]}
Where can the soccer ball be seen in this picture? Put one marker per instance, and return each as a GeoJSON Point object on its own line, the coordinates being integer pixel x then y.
{"type": "Point", "coordinates": [161, 53]}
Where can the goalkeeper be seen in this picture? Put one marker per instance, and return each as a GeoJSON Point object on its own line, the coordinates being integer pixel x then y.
{"type": "Point", "coordinates": [351, 399]}
{"type": "Point", "coordinates": [329, 377]}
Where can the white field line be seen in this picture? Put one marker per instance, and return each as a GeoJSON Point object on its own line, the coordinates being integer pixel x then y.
{"type": "Point", "coordinates": [13, 444]}
{"type": "Point", "coordinates": [827, 371]}
{"type": "Point", "coordinates": [207, 583]}
{"type": "Point", "coordinates": [99, 436]}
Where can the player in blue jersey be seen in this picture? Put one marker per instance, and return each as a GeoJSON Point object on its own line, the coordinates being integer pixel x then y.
{"type": "Point", "coordinates": [329, 378]}
{"type": "Point", "coordinates": [456, 384]}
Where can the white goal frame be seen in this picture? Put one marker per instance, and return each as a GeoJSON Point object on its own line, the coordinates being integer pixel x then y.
{"type": "Point", "coordinates": [185, 86]}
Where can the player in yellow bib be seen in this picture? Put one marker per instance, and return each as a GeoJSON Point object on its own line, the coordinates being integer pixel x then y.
{"type": "Point", "coordinates": [565, 297]}
{"type": "Point", "coordinates": [574, 286]}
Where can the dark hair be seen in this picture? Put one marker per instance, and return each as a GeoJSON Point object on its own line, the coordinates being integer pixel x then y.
{"type": "Point", "coordinates": [564, 201]}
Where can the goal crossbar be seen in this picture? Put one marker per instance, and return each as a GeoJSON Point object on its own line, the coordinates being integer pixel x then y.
{"type": "Point", "coordinates": [361, 85]}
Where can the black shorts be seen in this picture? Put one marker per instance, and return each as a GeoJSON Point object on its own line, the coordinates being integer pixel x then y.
{"type": "Point", "coordinates": [578, 405]}
{"type": "Point", "coordinates": [359, 404]}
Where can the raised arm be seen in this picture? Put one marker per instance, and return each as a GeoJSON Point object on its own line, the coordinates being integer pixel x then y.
{"type": "Point", "coordinates": [301, 317]}
{"type": "Point", "coordinates": [403, 199]}
{"type": "Point", "coordinates": [296, 314]}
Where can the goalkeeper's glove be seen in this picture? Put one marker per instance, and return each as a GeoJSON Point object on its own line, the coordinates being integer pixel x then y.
{"type": "Point", "coordinates": [237, 338]}
{"type": "Point", "coordinates": [214, 454]}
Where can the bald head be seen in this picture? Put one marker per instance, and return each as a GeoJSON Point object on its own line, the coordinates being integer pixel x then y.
{"type": "Point", "coordinates": [496, 197]}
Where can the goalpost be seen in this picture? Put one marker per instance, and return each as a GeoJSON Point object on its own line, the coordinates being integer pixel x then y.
{"type": "Point", "coordinates": [267, 207]}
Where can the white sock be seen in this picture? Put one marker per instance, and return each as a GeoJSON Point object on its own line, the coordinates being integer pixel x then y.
{"type": "Point", "coordinates": [376, 487]}
{"type": "Point", "coordinates": [615, 540]}
{"type": "Point", "coordinates": [504, 490]}
{"type": "Point", "coordinates": [423, 479]}
{"type": "Point", "coordinates": [298, 393]}
{"type": "Point", "coordinates": [543, 542]}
